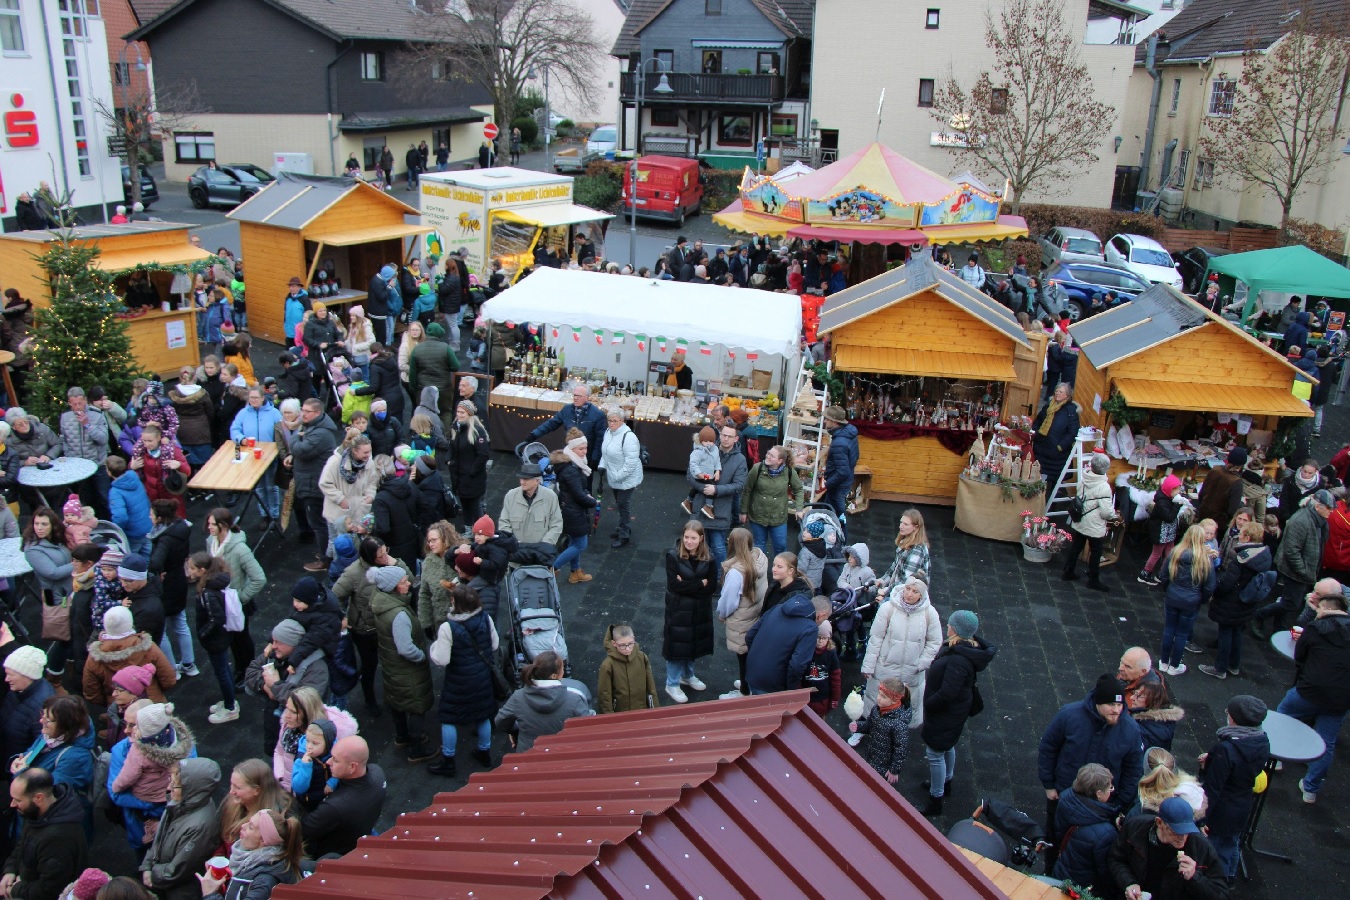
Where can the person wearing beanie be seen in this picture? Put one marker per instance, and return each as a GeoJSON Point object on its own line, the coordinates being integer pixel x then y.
{"type": "Point", "coordinates": [160, 741]}
{"type": "Point", "coordinates": [1221, 493]}
{"type": "Point", "coordinates": [121, 646]}
{"type": "Point", "coordinates": [403, 660]}
{"type": "Point", "coordinates": [1228, 772]}
{"type": "Point", "coordinates": [840, 461]}
{"type": "Point", "coordinates": [1168, 501]}
{"type": "Point", "coordinates": [87, 886]}
{"type": "Point", "coordinates": [272, 677]}
{"type": "Point", "coordinates": [21, 707]}
{"type": "Point", "coordinates": [188, 833]}
{"type": "Point", "coordinates": [824, 675]}
{"type": "Point", "coordinates": [1099, 513]}
{"type": "Point", "coordinates": [705, 465]}
{"type": "Point", "coordinates": [950, 698]}
{"type": "Point", "coordinates": [1096, 729]}
{"type": "Point", "coordinates": [144, 592]}
{"type": "Point", "coordinates": [433, 363]}
{"type": "Point", "coordinates": [317, 613]}
{"type": "Point", "coordinates": [386, 432]}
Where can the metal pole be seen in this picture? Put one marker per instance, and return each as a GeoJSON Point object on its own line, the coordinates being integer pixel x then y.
{"type": "Point", "coordinates": [548, 119]}
{"type": "Point", "coordinates": [640, 84]}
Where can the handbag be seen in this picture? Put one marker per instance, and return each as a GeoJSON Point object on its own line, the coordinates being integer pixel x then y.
{"type": "Point", "coordinates": [501, 688]}
{"type": "Point", "coordinates": [976, 701]}
{"type": "Point", "coordinates": [56, 620]}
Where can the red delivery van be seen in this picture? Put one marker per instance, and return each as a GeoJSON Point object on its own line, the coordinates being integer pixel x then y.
{"type": "Point", "coordinates": [668, 188]}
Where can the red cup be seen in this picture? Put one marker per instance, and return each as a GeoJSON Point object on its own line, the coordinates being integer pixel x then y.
{"type": "Point", "coordinates": [1296, 631]}
{"type": "Point", "coordinates": [252, 442]}
{"type": "Point", "coordinates": [218, 867]}
{"type": "Point", "coordinates": [257, 453]}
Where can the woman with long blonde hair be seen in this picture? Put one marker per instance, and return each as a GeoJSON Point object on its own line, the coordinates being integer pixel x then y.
{"type": "Point", "coordinates": [745, 580]}
{"type": "Point", "coordinates": [1188, 580]}
{"type": "Point", "coordinates": [413, 335]}
{"type": "Point", "coordinates": [912, 556]}
{"type": "Point", "coordinates": [253, 787]}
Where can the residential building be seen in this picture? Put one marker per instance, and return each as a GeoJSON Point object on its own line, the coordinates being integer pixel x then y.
{"type": "Point", "coordinates": [608, 17]}
{"type": "Point", "coordinates": [738, 72]}
{"type": "Point", "coordinates": [129, 60]}
{"type": "Point", "coordinates": [317, 81]}
{"type": "Point", "coordinates": [1199, 61]}
{"type": "Point", "coordinates": [919, 46]}
{"type": "Point", "coordinates": [54, 68]}
{"type": "Point", "coordinates": [1104, 28]}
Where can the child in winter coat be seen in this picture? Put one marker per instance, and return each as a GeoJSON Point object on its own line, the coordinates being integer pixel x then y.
{"type": "Point", "coordinates": [317, 612]}
{"type": "Point", "coordinates": [542, 706]}
{"type": "Point", "coordinates": [823, 674]}
{"type": "Point", "coordinates": [311, 779]}
{"type": "Point", "coordinates": [887, 730]}
{"type": "Point", "coordinates": [1162, 527]}
{"type": "Point", "coordinates": [159, 742]}
{"type": "Point", "coordinates": [344, 554]}
{"type": "Point", "coordinates": [80, 521]}
{"type": "Point", "coordinates": [821, 558]}
{"type": "Point", "coordinates": [626, 681]}
{"type": "Point", "coordinates": [857, 575]}
{"type": "Point", "coordinates": [705, 465]}
{"type": "Point", "coordinates": [478, 350]}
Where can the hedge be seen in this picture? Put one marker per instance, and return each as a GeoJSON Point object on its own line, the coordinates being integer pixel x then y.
{"type": "Point", "coordinates": [529, 129]}
{"type": "Point", "coordinates": [1104, 223]}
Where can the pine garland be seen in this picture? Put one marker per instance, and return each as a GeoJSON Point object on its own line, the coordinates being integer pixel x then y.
{"type": "Point", "coordinates": [78, 339]}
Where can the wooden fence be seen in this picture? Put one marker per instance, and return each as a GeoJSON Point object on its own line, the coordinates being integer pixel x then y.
{"type": "Point", "coordinates": [1236, 240]}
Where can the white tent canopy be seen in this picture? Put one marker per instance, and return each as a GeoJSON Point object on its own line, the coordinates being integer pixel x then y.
{"type": "Point", "coordinates": [738, 319]}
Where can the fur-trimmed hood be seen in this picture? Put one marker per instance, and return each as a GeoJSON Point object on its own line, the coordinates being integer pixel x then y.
{"type": "Point", "coordinates": [120, 649]}
{"type": "Point", "coordinates": [1163, 714]}
{"type": "Point", "coordinates": [175, 752]}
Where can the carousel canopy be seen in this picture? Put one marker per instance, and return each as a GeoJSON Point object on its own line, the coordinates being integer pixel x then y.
{"type": "Point", "coordinates": [873, 196]}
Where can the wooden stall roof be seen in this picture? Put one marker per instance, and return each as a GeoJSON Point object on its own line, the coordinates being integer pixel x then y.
{"type": "Point", "coordinates": [294, 201]}
{"type": "Point", "coordinates": [164, 255]}
{"type": "Point", "coordinates": [97, 232]}
{"type": "Point", "coordinates": [916, 276]}
{"type": "Point", "coordinates": [1253, 400]}
{"type": "Point", "coordinates": [903, 361]}
{"type": "Point", "coordinates": [366, 235]}
{"type": "Point", "coordinates": [1016, 885]}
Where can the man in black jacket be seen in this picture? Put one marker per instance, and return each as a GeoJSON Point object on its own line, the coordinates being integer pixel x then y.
{"type": "Point", "coordinates": [51, 854]}
{"type": "Point", "coordinates": [352, 810]}
{"type": "Point", "coordinates": [1321, 691]}
{"type": "Point", "coordinates": [314, 442]}
{"type": "Point", "coordinates": [413, 160]}
{"type": "Point", "coordinates": [675, 257]}
{"type": "Point", "coordinates": [450, 300]}
{"type": "Point", "coordinates": [1167, 856]}
{"type": "Point", "coordinates": [377, 302]}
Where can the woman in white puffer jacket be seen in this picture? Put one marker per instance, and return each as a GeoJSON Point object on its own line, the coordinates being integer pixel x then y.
{"type": "Point", "coordinates": [621, 459]}
{"type": "Point", "coordinates": [906, 637]}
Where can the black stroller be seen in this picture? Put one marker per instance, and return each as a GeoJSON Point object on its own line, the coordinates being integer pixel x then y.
{"type": "Point", "coordinates": [847, 606]}
{"type": "Point", "coordinates": [1010, 837]}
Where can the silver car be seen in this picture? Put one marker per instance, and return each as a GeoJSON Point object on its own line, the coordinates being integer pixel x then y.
{"type": "Point", "coordinates": [1070, 245]}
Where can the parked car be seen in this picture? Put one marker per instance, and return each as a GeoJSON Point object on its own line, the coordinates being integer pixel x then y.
{"type": "Point", "coordinates": [1144, 257]}
{"type": "Point", "coordinates": [604, 140]}
{"type": "Point", "coordinates": [1064, 244]}
{"type": "Point", "coordinates": [1193, 264]}
{"type": "Point", "coordinates": [149, 190]}
{"type": "Point", "coordinates": [1080, 287]}
{"type": "Point", "coordinates": [669, 188]}
{"type": "Point", "coordinates": [228, 185]}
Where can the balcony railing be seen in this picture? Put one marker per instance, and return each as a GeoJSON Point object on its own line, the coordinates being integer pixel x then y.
{"type": "Point", "coordinates": [689, 87]}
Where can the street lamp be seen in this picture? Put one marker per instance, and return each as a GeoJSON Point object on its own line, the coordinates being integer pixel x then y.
{"type": "Point", "coordinates": [130, 148]}
{"type": "Point", "coordinates": [640, 84]}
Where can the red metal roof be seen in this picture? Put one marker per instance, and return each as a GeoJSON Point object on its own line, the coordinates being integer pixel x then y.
{"type": "Point", "coordinates": [750, 797]}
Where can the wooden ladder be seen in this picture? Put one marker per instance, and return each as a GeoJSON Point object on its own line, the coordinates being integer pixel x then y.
{"type": "Point", "coordinates": [805, 432]}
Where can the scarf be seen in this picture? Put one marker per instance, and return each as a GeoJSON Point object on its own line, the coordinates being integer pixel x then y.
{"type": "Point", "coordinates": [1310, 484]}
{"type": "Point", "coordinates": [244, 862]}
{"type": "Point", "coordinates": [1239, 732]}
{"type": "Point", "coordinates": [82, 581]}
{"type": "Point", "coordinates": [674, 370]}
{"type": "Point", "coordinates": [290, 740]}
{"type": "Point", "coordinates": [53, 743]}
{"type": "Point", "coordinates": [772, 472]}
{"type": "Point", "coordinates": [1050, 410]}
{"type": "Point", "coordinates": [579, 461]}
{"type": "Point", "coordinates": [215, 546]}
{"type": "Point", "coordinates": [349, 469]}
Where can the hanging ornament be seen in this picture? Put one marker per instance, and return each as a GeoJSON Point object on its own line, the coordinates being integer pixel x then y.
{"type": "Point", "coordinates": [599, 337]}
{"type": "Point", "coordinates": [661, 343]}
{"type": "Point", "coordinates": [704, 348]}
{"type": "Point", "coordinates": [576, 335]}
{"type": "Point", "coordinates": [751, 355]}
{"type": "Point", "coordinates": [616, 337]}
{"type": "Point", "coordinates": [642, 342]}
{"type": "Point", "coordinates": [555, 330]}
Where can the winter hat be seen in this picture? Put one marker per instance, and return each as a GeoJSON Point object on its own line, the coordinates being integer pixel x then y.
{"type": "Point", "coordinates": [318, 306]}
{"type": "Point", "coordinates": [343, 545]}
{"type": "Point", "coordinates": [464, 563]}
{"type": "Point", "coordinates": [1169, 484]}
{"type": "Point", "coordinates": [815, 528]}
{"type": "Point", "coordinates": [134, 567]}
{"type": "Point", "coordinates": [118, 623]}
{"type": "Point", "coordinates": [28, 662]}
{"type": "Point", "coordinates": [436, 330]}
{"type": "Point", "coordinates": [90, 882]}
{"type": "Point", "coordinates": [307, 591]}
{"type": "Point", "coordinates": [155, 389]}
{"type": "Point", "coordinates": [965, 623]}
{"type": "Point", "coordinates": [1310, 354]}
{"type": "Point", "coordinates": [1324, 497]}
{"type": "Point", "coordinates": [14, 414]}
{"type": "Point", "coordinates": [835, 414]}
{"type": "Point", "coordinates": [898, 592]}
{"type": "Point", "coordinates": [485, 527]}
{"type": "Point", "coordinates": [1178, 815]}
{"type": "Point", "coordinates": [73, 506]}
{"type": "Point", "coordinates": [288, 632]}
{"type": "Point", "coordinates": [386, 578]}
{"type": "Point", "coordinates": [295, 280]}
{"type": "Point", "coordinates": [1247, 710]}
{"type": "Point", "coordinates": [1238, 456]}
{"type": "Point", "coordinates": [1192, 793]}
{"type": "Point", "coordinates": [423, 289]}
{"type": "Point", "coordinates": [706, 434]}
{"type": "Point", "coordinates": [135, 680]}
{"type": "Point", "coordinates": [824, 629]}
{"type": "Point", "coordinates": [329, 733]}
{"type": "Point", "coordinates": [153, 719]}
{"type": "Point", "coordinates": [1101, 463]}
{"type": "Point", "coordinates": [424, 466]}
{"type": "Point", "coordinates": [387, 272]}
{"type": "Point", "coordinates": [1107, 690]}
{"type": "Point", "coordinates": [356, 312]}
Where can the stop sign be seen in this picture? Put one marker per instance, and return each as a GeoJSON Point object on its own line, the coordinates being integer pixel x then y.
{"type": "Point", "coordinates": [490, 131]}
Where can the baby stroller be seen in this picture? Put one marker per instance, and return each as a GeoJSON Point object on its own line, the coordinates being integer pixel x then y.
{"type": "Point", "coordinates": [110, 537]}
{"type": "Point", "coordinates": [847, 606]}
{"type": "Point", "coordinates": [536, 618]}
{"type": "Point", "coordinates": [822, 571]}
{"type": "Point", "coordinates": [535, 452]}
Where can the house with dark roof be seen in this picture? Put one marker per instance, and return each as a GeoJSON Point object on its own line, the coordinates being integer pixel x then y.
{"type": "Point", "coordinates": [718, 77]}
{"type": "Point", "coordinates": [1185, 76]}
{"type": "Point", "coordinates": [330, 79]}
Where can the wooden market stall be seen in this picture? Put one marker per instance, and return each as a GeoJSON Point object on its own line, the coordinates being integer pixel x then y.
{"type": "Point", "coordinates": [1191, 374]}
{"type": "Point", "coordinates": [302, 224]}
{"type": "Point", "coordinates": [925, 360]}
{"type": "Point", "coordinates": [163, 339]}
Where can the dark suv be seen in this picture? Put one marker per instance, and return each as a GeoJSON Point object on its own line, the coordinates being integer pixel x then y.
{"type": "Point", "coordinates": [149, 190]}
{"type": "Point", "coordinates": [1193, 264]}
{"type": "Point", "coordinates": [227, 185]}
{"type": "Point", "coordinates": [1078, 284]}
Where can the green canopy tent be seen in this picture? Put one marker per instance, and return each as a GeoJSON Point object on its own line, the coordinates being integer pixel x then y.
{"type": "Point", "coordinates": [1290, 270]}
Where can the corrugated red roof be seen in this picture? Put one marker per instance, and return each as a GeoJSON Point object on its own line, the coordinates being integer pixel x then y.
{"type": "Point", "coordinates": [729, 798]}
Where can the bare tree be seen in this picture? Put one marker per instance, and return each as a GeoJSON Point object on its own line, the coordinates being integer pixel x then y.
{"type": "Point", "coordinates": [499, 43]}
{"type": "Point", "coordinates": [1034, 120]}
{"type": "Point", "coordinates": [1283, 127]}
{"type": "Point", "coordinates": [144, 117]}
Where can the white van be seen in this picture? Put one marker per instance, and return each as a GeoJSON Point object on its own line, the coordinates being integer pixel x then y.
{"type": "Point", "coordinates": [604, 140]}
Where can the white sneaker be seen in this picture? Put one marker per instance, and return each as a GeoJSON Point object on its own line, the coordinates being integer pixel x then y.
{"type": "Point", "coordinates": [1307, 797]}
{"type": "Point", "coordinates": [736, 684]}
{"type": "Point", "coordinates": [191, 671]}
{"type": "Point", "coordinates": [221, 716]}
{"type": "Point", "coordinates": [854, 740]}
{"type": "Point", "coordinates": [731, 695]}
{"type": "Point", "coordinates": [217, 706]}
{"type": "Point", "coordinates": [676, 694]}
{"type": "Point", "coordinates": [694, 682]}
{"type": "Point", "coordinates": [1178, 669]}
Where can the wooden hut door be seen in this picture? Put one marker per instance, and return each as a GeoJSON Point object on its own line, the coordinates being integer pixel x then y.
{"type": "Point", "coordinates": [1021, 397]}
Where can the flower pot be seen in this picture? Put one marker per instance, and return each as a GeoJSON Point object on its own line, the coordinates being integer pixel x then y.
{"type": "Point", "coordinates": [1036, 554]}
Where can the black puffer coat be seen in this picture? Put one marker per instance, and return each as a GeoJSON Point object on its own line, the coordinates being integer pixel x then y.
{"type": "Point", "coordinates": [1249, 560]}
{"type": "Point", "coordinates": [950, 690]}
{"type": "Point", "coordinates": [467, 464]}
{"type": "Point", "coordinates": [431, 503]}
{"type": "Point", "coordinates": [578, 506]}
{"type": "Point", "coordinates": [385, 384]}
{"type": "Point", "coordinates": [211, 614]}
{"type": "Point", "coordinates": [169, 552]}
{"type": "Point", "coordinates": [395, 509]}
{"type": "Point", "coordinates": [466, 695]}
{"type": "Point", "coordinates": [688, 630]}
{"type": "Point", "coordinates": [385, 436]}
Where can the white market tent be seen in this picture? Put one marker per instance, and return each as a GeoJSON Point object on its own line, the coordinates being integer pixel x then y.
{"type": "Point", "coordinates": [737, 319]}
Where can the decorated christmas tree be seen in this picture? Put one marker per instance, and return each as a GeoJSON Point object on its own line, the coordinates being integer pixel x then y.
{"type": "Point", "coordinates": [78, 339]}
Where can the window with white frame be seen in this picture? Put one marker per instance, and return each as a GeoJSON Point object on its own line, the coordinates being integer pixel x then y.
{"type": "Point", "coordinates": [1176, 96]}
{"type": "Point", "coordinates": [1204, 174]}
{"type": "Point", "coordinates": [372, 66]}
{"type": "Point", "coordinates": [1182, 168]}
{"type": "Point", "coordinates": [1222, 94]}
{"type": "Point", "coordinates": [11, 27]}
{"type": "Point", "coordinates": [194, 146]}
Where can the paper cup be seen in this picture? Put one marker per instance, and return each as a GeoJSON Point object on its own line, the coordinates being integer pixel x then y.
{"type": "Point", "coordinates": [218, 867]}
{"type": "Point", "coordinates": [1296, 631]}
{"type": "Point", "coordinates": [257, 453]}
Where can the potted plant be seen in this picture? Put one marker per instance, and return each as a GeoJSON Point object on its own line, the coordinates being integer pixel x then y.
{"type": "Point", "coordinates": [1041, 539]}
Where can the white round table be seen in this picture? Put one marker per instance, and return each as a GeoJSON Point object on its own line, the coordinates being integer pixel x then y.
{"type": "Point", "coordinates": [63, 471]}
{"type": "Point", "coordinates": [1283, 642]}
{"type": "Point", "coordinates": [12, 561]}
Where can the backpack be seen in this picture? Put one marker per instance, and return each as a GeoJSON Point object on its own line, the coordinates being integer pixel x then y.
{"type": "Point", "coordinates": [234, 611]}
{"type": "Point", "coordinates": [1258, 588]}
{"type": "Point", "coordinates": [1077, 508]}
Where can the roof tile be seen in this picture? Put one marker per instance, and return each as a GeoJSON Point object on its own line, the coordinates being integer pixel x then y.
{"type": "Point", "coordinates": [1207, 27]}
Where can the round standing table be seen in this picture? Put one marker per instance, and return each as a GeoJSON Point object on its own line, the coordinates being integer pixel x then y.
{"type": "Point", "coordinates": [1283, 642]}
{"type": "Point", "coordinates": [7, 357]}
{"type": "Point", "coordinates": [63, 471]}
{"type": "Point", "coordinates": [1290, 741]}
{"type": "Point", "coordinates": [14, 565]}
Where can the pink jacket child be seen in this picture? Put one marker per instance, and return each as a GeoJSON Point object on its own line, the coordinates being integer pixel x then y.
{"type": "Point", "coordinates": [159, 741]}
{"type": "Point", "coordinates": [80, 521]}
